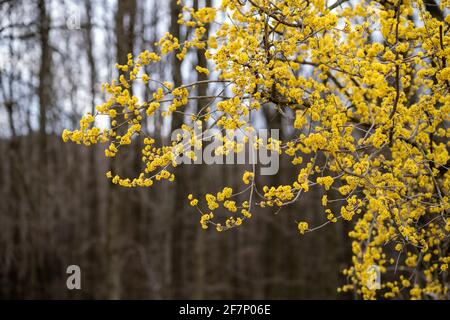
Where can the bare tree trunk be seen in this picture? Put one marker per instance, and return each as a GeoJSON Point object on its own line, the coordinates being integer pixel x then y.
{"type": "Point", "coordinates": [92, 204]}
{"type": "Point", "coordinates": [200, 269]}
{"type": "Point", "coordinates": [176, 267]}
{"type": "Point", "coordinates": [44, 89]}
{"type": "Point", "coordinates": [124, 18]}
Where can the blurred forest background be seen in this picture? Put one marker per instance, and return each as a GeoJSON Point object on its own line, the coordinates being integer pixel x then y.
{"type": "Point", "coordinates": [57, 208]}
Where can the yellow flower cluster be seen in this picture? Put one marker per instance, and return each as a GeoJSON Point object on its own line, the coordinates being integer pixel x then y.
{"type": "Point", "coordinates": [302, 227]}
{"type": "Point", "coordinates": [247, 177]}
{"type": "Point", "coordinates": [365, 91]}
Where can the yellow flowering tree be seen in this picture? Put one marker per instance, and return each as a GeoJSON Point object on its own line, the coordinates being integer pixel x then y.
{"type": "Point", "coordinates": [365, 85]}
